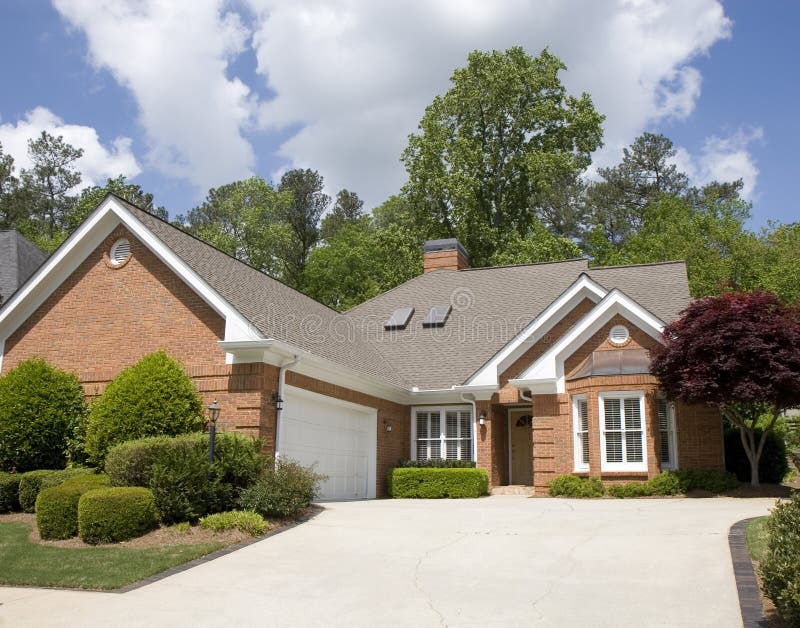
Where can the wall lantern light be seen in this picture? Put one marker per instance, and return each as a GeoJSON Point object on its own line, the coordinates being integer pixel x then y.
{"type": "Point", "coordinates": [277, 401]}
{"type": "Point", "coordinates": [387, 425]}
{"type": "Point", "coordinates": [482, 417]}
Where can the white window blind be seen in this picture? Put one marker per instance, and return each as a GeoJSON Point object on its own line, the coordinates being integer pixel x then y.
{"type": "Point", "coordinates": [622, 431]}
{"type": "Point", "coordinates": [666, 432]}
{"type": "Point", "coordinates": [443, 433]}
{"type": "Point", "coordinates": [581, 421]}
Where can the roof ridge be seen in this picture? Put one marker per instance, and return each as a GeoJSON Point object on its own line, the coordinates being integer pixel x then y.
{"type": "Point", "coordinates": [676, 261]}
{"type": "Point", "coordinates": [558, 261]}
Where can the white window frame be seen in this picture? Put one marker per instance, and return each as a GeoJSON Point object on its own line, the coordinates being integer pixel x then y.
{"type": "Point", "coordinates": [672, 435]}
{"type": "Point", "coordinates": [624, 465]}
{"type": "Point", "coordinates": [443, 410]}
{"type": "Point", "coordinates": [577, 431]}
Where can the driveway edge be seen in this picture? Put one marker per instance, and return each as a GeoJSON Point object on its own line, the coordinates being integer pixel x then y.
{"type": "Point", "coordinates": [746, 583]}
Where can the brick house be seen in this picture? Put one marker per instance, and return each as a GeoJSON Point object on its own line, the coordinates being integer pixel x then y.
{"type": "Point", "coordinates": [529, 371]}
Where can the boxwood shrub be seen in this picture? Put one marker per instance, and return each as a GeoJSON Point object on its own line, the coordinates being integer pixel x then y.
{"type": "Point", "coordinates": [114, 514]}
{"type": "Point", "coordinates": [248, 521]}
{"type": "Point", "coordinates": [780, 569]}
{"type": "Point", "coordinates": [131, 463]}
{"type": "Point", "coordinates": [283, 489]}
{"type": "Point", "coordinates": [575, 486]}
{"type": "Point", "coordinates": [705, 480]}
{"type": "Point", "coordinates": [57, 477]}
{"type": "Point", "coordinates": [57, 507]}
{"type": "Point", "coordinates": [29, 486]}
{"type": "Point", "coordinates": [436, 463]}
{"type": "Point", "coordinates": [435, 483]}
{"type": "Point", "coordinates": [9, 492]}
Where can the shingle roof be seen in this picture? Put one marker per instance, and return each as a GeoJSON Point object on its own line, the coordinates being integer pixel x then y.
{"type": "Point", "coordinates": [19, 258]}
{"type": "Point", "coordinates": [273, 308]}
{"type": "Point", "coordinates": [489, 307]}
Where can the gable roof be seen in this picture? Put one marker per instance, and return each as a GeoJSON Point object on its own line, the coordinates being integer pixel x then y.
{"type": "Point", "coordinates": [19, 258]}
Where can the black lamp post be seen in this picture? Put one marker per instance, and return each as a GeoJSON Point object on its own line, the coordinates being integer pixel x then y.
{"type": "Point", "coordinates": [213, 415]}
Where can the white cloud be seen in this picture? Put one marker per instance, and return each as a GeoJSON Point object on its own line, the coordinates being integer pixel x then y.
{"type": "Point", "coordinates": [98, 163]}
{"type": "Point", "coordinates": [724, 159]}
{"type": "Point", "coordinates": [356, 75]}
{"type": "Point", "coordinates": [173, 56]}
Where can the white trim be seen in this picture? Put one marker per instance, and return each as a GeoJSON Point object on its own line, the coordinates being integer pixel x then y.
{"type": "Point", "coordinates": [672, 431]}
{"type": "Point", "coordinates": [583, 288]}
{"type": "Point", "coordinates": [622, 466]}
{"type": "Point", "coordinates": [443, 409]}
{"type": "Point", "coordinates": [579, 465]}
{"type": "Point", "coordinates": [85, 239]}
{"type": "Point", "coordinates": [549, 368]}
{"type": "Point", "coordinates": [372, 460]}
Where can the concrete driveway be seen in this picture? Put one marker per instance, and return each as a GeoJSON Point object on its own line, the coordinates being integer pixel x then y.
{"type": "Point", "coordinates": [498, 561]}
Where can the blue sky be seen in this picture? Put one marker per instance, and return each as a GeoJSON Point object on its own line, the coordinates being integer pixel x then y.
{"type": "Point", "coordinates": [184, 97]}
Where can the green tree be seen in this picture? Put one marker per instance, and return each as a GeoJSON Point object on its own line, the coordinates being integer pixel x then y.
{"type": "Point", "coordinates": [302, 214]}
{"type": "Point", "coordinates": [49, 183]}
{"type": "Point", "coordinates": [244, 219]}
{"type": "Point", "coordinates": [776, 261]}
{"type": "Point", "coordinates": [488, 151]}
{"type": "Point", "coordinates": [616, 204]}
{"type": "Point", "coordinates": [540, 245]}
{"type": "Point", "coordinates": [347, 208]}
{"type": "Point", "coordinates": [11, 208]}
{"type": "Point", "coordinates": [92, 196]}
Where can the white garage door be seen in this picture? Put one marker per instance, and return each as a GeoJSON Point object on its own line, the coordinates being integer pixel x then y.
{"type": "Point", "coordinates": [338, 437]}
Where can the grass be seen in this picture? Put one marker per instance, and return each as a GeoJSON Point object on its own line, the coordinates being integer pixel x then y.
{"type": "Point", "coordinates": [756, 532]}
{"type": "Point", "coordinates": [25, 563]}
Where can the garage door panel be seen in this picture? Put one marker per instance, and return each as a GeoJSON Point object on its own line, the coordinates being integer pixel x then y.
{"type": "Point", "coordinates": [337, 438]}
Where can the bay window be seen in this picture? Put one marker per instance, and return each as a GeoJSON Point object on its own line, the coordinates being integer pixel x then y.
{"type": "Point", "coordinates": [622, 431]}
{"type": "Point", "coordinates": [442, 432]}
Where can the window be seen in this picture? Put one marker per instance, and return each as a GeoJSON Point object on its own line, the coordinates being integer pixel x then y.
{"type": "Point", "coordinates": [622, 432]}
{"type": "Point", "coordinates": [580, 410]}
{"type": "Point", "coordinates": [443, 433]}
{"type": "Point", "coordinates": [667, 454]}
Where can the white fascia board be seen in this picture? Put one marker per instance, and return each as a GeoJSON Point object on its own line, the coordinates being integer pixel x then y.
{"type": "Point", "coordinates": [536, 386]}
{"type": "Point", "coordinates": [276, 352]}
{"type": "Point", "coordinates": [452, 394]}
{"type": "Point", "coordinates": [550, 366]}
{"type": "Point", "coordinates": [583, 288]}
{"type": "Point", "coordinates": [85, 239]}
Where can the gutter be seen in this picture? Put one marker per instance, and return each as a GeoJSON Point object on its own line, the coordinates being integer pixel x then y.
{"type": "Point", "coordinates": [279, 411]}
{"type": "Point", "coordinates": [470, 398]}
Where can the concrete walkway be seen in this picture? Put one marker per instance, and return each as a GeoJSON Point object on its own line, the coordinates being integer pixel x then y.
{"type": "Point", "coordinates": [497, 561]}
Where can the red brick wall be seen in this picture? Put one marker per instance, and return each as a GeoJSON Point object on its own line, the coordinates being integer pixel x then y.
{"type": "Point", "coordinates": [444, 260]}
{"type": "Point", "coordinates": [699, 435]}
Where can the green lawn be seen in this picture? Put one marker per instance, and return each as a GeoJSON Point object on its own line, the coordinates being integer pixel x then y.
{"type": "Point", "coordinates": [23, 562]}
{"type": "Point", "coordinates": [757, 538]}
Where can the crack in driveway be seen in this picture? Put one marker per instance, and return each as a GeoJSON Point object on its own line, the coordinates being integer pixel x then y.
{"type": "Point", "coordinates": [418, 585]}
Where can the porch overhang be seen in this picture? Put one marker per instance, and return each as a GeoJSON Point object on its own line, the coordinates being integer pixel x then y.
{"type": "Point", "coordinates": [536, 386]}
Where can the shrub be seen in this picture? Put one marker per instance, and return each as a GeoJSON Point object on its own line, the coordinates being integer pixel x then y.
{"type": "Point", "coordinates": [248, 521]}
{"type": "Point", "coordinates": [130, 463]}
{"type": "Point", "coordinates": [9, 492]}
{"type": "Point", "coordinates": [111, 515]}
{"type": "Point", "coordinates": [705, 480]}
{"type": "Point", "coordinates": [666, 483]}
{"type": "Point", "coordinates": [151, 398]}
{"type": "Point", "coordinates": [436, 463]}
{"type": "Point", "coordinates": [629, 489]}
{"type": "Point", "coordinates": [780, 569]}
{"type": "Point", "coordinates": [29, 486]}
{"type": "Point", "coordinates": [57, 507]}
{"type": "Point", "coordinates": [772, 466]}
{"type": "Point", "coordinates": [574, 486]}
{"type": "Point", "coordinates": [40, 407]}
{"type": "Point", "coordinates": [435, 483]}
{"type": "Point", "coordinates": [282, 490]}
{"type": "Point", "coordinates": [237, 461]}
{"type": "Point", "coordinates": [57, 477]}
{"type": "Point", "coordinates": [184, 484]}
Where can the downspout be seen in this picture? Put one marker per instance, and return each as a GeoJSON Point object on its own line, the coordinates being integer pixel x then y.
{"type": "Point", "coordinates": [471, 401]}
{"type": "Point", "coordinates": [281, 385]}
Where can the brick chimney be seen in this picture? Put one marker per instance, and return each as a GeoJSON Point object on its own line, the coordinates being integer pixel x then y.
{"type": "Point", "coordinates": [447, 254]}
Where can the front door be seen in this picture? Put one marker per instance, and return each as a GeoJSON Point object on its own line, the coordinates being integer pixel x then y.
{"type": "Point", "coordinates": [520, 430]}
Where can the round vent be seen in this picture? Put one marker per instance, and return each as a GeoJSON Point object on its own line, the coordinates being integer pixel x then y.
{"type": "Point", "coordinates": [618, 334]}
{"type": "Point", "coordinates": [120, 252]}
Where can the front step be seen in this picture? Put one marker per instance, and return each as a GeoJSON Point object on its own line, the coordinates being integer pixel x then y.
{"type": "Point", "coordinates": [515, 489]}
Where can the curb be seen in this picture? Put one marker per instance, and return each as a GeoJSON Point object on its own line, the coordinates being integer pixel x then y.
{"type": "Point", "coordinates": [746, 583]}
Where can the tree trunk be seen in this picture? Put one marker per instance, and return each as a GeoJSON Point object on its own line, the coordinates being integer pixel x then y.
{"type": "Point", "coordinates": [753, 454]}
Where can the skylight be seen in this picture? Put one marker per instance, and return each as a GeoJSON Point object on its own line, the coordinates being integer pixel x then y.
{"type": "Point", "coordinates": [400, 318]}
{"type": "Point", "coordinates": [437, 316]}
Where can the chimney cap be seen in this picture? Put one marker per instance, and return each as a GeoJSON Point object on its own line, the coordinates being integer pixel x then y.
{"type": "Point", "coordinates": [444, 244]}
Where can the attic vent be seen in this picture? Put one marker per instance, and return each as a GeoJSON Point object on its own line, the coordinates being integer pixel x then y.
{"type": "Point", "coordinates": [399, 319]}
{"type": "Point", "coordinates": [437, 316]}
{"type": "Point", "coordinates": [618, 334]}
{"type": "Point", "coordinates": [120, 252]}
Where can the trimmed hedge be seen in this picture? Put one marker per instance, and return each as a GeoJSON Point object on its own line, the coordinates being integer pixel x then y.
{"type": "Point", "coordinates": [435, 463]}
{"type": "Point", "coordinates": [57, 477]}
{"type": "Point", "coordinates": [153, 397]}
{"type": "Point", "coordinates": [703, 480]}
{"type": "Point", "coordinates": [131, 463]}
{"type": "Point", "coordinates": [773, 464]}
{"type": "Point", "coordinates": [248, 521]}
{"type": "Point", "coordinates": [29, 486]}
{"type": "Point", "coordinates": [41, 409]}
{"type": "Point", "coordinates": [111, 515]}
{"type": "Point", "coordinates": [780, 569]}
{"type": "Point", "coordinates": [9, 492]}
{"type": "Point", "coordinates": [57, 507]}
{"type": "Point", "coordinates": [575, 486]}
{"type": "Point", "coordinates": [436, 483]}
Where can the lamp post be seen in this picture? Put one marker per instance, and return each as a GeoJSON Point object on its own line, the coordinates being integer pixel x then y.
{"type": "Point", "coordinates": [213, 415]}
